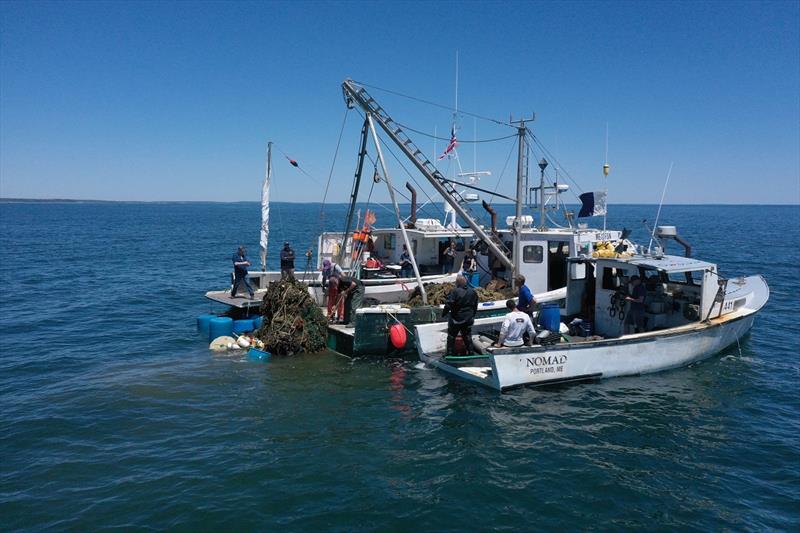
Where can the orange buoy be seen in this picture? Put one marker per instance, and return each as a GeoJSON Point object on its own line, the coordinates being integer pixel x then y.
{"type": "Point", "coordinates": [397, 335]}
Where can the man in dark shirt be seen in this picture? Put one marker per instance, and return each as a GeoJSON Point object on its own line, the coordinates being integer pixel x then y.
{"type": "Point", "coordinates": [287, 262]}
{"type": "Point", "coordinates": [636, 307]}
{"type": "Point", "coordinates": [240, 264]}
{"type": "Point", "coordinates": [461, 306]}
{"type": "Point", "coordinates": [406, 269]}
{"type": "Point", "coordinates": [352, 290]}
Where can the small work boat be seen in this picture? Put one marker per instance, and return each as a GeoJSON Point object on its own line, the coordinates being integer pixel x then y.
{"type": "Point", "coordinates": [691, 313]}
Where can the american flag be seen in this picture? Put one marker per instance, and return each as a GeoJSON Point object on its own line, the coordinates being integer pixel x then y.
{"type": "Point", "coordinates": [451, 145]}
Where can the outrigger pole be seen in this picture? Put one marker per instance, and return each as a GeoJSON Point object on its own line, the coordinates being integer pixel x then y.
{"type": "Point", "coordinates": [362, 152]}
{"type": "Point", "coordinates": [397, 209]}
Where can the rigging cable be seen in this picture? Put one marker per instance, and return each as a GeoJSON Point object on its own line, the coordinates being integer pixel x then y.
{"type": "Point", "coordinates": [441, 106]}
{"type": "Point", "coordinates": [460, 141]}
{"type": "Point", "coordinates": [330, 174]}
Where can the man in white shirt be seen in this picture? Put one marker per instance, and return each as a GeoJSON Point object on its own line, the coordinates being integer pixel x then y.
{"type": "Point", "coordinates": [515, 325]}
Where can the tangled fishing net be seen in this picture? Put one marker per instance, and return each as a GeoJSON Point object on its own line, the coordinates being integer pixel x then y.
{"type": "Point", "coordinates": [438, 292]}
{"type": "Point", "coordinates": [293, 322]}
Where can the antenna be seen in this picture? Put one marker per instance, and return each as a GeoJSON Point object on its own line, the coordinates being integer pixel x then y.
{"type": "Point", "coordinates": [606, 169]}
{"type": "Point", "coordinates": [658, 213]}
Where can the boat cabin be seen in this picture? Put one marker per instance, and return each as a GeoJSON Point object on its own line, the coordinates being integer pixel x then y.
{"type": "Point", "coordinates": [545, 254]}
{"type": "Point", "coordinates": [678, 291]}
{"type": "Point", "coordinates": [429, 239]}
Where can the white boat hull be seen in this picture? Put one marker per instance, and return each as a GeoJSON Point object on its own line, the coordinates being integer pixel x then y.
{"type": "Point", "coordinates": [629, 355]}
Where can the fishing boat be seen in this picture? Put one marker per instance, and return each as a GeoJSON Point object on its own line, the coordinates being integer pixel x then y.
{"type": "Point", "coordinates": [380, 270]}
{"type": "Point", "coordinates": [691, 313]}
{"type": "Point", "coordinates": [538, 251]}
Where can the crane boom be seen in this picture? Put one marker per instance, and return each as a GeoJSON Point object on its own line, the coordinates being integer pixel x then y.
{"type": "Point", "coordinates": [354, 93]}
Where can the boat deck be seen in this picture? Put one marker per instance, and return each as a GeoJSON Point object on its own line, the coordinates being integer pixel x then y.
{"type": "Point", "coordinates": [240, 301]}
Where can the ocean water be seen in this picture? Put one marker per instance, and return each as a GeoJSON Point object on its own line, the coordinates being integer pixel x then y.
{"type": "Point", "coordinates": [116, 415]}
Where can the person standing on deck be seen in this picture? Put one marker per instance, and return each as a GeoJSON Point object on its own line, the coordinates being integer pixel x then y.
{"type": "Point", "coordinates": [406, 269]}
{"type": "Point", "coordinates": [335, 305]}
{"type": "Point", "coordinates": [525, 300]}
{"type": "Point", "coordinates": [449, 258]}
{"type": "Point", "coordinates": [351, 291]}
{"type": "Point", "coordinates": [461, 306]}
{"type": "Point", "coordinates": [516, 325]}
{"type": "Point", "coordinates": [287, 262]}
{"type": "Point", "coordinates": [636, 309]}
{"type": "Point", "coordinates": [470, 268]}
{"type": "Point", "coordinates": [240, 264]}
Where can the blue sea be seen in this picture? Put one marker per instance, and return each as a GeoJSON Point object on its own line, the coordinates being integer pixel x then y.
{"type": "Point", "coordinates": [116, 415]}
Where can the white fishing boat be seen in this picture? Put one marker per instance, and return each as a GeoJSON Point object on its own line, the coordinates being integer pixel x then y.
{"type": "Point", "coordinates": [384, 282]}
{"type": "Point", "coordinates": [691, 313]}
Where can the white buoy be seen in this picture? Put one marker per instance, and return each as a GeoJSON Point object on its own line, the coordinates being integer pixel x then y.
{"type": "Point", "coordinates": [243, 342]}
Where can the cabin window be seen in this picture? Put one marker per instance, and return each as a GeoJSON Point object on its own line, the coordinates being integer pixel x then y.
{"type": "Point", "coordinates": [532, 253]}
{"type": "Point", "coordinates": [388, 241]}
{"type": "Point", "coordinates": [559, 247]}
{"type": "Point", "coordinates": [612, 278]}
{"type": "Point", "coordinates": [694, 277]}
{"type": "Point", "coordinates": [577, 271]}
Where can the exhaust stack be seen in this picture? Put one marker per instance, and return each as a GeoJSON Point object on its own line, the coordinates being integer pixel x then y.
{"type": "Point", "coordinates": [670, 232]}
{"type": "Point", "coordinates": [412, 219]}
{"type": "Point", "coordinates": [492, 213]}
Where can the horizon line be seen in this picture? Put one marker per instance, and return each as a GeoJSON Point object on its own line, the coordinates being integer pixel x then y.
{"type": "Point", "coordinates": [96, 201]}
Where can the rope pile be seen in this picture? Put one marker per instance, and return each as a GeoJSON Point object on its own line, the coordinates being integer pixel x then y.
{"type": "Point", "coordinates": [438, 292]}
{"type": "Point", "coordinates": [292, 321]}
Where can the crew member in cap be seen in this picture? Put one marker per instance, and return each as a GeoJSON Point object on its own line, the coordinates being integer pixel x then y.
{"type": "Point", "coordinates": [240, 264]}
{"type": "Point", "coordinates": [635, 316]}
{"type": "Point", "coordinates": [287, 262]}
{"type": "Point", "coordinates": [335, 304]}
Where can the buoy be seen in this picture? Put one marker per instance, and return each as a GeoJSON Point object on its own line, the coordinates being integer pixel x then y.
{"type": "Point", "coordinates": [220, 344]}
{"type": "Point", "coordinates": [243, 325]}
{"type": "Point", "coordinates": [220, 326]}
{"type": "Point", "coordinates": [243, 342]}
{"type": "Point", "coordinates": [397, 335]}
{"type": "Point", "coordinates": [203, 321]}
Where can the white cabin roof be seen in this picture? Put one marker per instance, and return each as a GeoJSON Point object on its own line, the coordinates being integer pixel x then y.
{"type": "Point", "coordinates": [668, 263]}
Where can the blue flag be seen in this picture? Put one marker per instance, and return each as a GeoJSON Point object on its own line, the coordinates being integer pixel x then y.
{"type": "Point", "coordinates": [594, 204]}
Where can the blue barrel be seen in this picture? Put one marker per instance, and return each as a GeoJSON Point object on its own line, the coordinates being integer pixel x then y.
{"type": "Point", "coordinates": [203, 321]}
{"type": "Point", "coordinates": [258, 355]}
{"type": "Point", "coordinates": [220, 326]}
{"type": "Point", "coordinates": [550, 317]}
{"type": "Point", "coordinates": [243, 325]}
{"type": "Point", "coordinates": [258, 321]}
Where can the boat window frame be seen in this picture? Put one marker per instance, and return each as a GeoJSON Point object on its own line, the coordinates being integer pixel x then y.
{"type": "Point", "coordinates": [531, 246]}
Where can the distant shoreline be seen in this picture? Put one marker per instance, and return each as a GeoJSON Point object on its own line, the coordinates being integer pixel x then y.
{"type": "Point", "coordinates": [85, 201]}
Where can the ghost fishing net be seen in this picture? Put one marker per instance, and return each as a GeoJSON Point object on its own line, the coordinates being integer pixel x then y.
{"type": "Point", "coordinates": [438, 292]}
{"type": "Point", "coordinates": [293, 323]}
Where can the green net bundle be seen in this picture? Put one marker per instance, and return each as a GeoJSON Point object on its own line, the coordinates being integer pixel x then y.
{"type": "Point", "coordinates": [293, 322]}
{"type": "Point", "coordinates": [438, 292]}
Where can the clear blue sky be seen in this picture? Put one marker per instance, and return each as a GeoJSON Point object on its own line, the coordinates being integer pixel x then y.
{"type": "Point", "coordinates": [175, 101]}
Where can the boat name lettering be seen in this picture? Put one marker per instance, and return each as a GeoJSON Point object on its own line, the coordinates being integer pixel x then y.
{"type": "Point", "coordinates": [605, 236]}
{"type": "Point", "coordinates": [546, 364]}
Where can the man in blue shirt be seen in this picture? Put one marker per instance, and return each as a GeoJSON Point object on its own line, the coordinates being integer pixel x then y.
{"type": "Point", "coordinates": [525, 301]}
{"type": "Point", "coordinates": [240, 264]}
